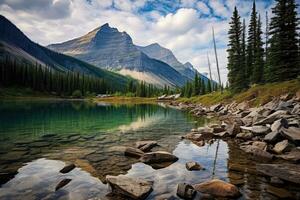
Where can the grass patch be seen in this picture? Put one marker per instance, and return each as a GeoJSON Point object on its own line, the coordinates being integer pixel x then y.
{"type": "Point", "coordinates": [256, 95]}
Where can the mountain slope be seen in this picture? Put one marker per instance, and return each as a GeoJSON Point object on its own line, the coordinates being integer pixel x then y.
{"type": "Point", "coordinates": [161, 53]}
{"type": "Point", "coordinates": [17, 45]}
{"type": "Point", "coordinates": [108, 48]}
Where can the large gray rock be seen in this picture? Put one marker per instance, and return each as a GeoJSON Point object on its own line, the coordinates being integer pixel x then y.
{"type": "Point", "coordinates": [291, 133]}
{"type": "Point", "coordinates": [218, 188]}
{"type": "Point", "coordinates": [278, 124]}
{"type": "Point", "coordinates": [271, 118]}
{"type": "Point", "coordinates": [282, 146]}
{"type": "Point", "coordinates": [158, 157]}
{"type": "Point", "coordinates": [287, 172]}
{"type": "Point", "coordinates": [134, 188]}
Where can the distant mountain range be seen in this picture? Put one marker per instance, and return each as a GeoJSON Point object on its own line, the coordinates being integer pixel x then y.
{"type": "Point", "coordinates": [16, 45]}
{"type": "Point", "coordinates": [101, 53]}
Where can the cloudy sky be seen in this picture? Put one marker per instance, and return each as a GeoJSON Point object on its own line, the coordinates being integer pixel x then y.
{"type": "Point", "coordinates": [184, 26]}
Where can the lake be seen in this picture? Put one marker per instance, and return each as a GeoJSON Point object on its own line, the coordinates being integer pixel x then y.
{"type": "Point", "coordinates": [37, 139]}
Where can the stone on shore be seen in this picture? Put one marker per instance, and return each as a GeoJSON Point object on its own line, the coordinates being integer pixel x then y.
{"type": "Point", "coordinates": [134, 188]}
{"type": "Point", "coordinates": [145, 145]}
{"type": "Point", "coordinates": [158, 157]}
{"type": "Point", "coordinates": [218, 188]}
{"type": "Point", "coordinates": [293, 155]}
{"type": "Point", "coordinates": [257, 129]}
{"type": "Point", "coordinates": [282, 147]}
{"type": "Point", "coordinates": [233, 129]}
{"type": "Point", "coordinates": [67, 168]}
{"type": "Point", "coordinates": [278, 124]}
{"type": "Point", "coordinates": [287, 172]}
{"type": "Point", "coordinates": [193, 166]}
{"type": "Point", "coordinates": [291, 133]}
{"type": "Point", "coordinates": [272, 137]}
{"type": "Point", "coordinates": [245, 136]}
{"type": "Point", "coordinates": [133, 152]}
{"type": "Point", "coordinates": [260, 145]}
{"type": "Point", "coordinates": [273, 117]}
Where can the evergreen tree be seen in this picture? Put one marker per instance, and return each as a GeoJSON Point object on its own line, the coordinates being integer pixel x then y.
{"type": "Point", "coordinates": [283, 56]}
{"type": "Point", "coordinates": [251, 42]}
{"type": "Point", "coordinates": [196, 88]}
{"type": "Point", "coordinates": [236, 71]}
{"type": "Point", "coordinates": [243, 48]}
{"type": "Point", "coordinates": [258, 65]}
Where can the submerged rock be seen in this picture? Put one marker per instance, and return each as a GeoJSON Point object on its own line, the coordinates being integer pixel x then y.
{"type": "Point", "coordinates": [279, 192]}
{"type": "Point", "coordinates": [218, 188]}
{"type": "Point", "coordinates": [67, 168]}
{"type": "Point", "coordinates": [192, 165]}
{"type": "Point", "coordinates": [145, 145]}
{"type": "Point", "coordinates": [134, 188]}
{"type": "Point", "coordinates": [257, 152]}
{"type": "Point", "coordinates": [133, 152]}
{"type": "Point", "coordinates": [158, 157]}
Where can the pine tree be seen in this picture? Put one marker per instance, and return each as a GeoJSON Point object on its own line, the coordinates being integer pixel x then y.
{"type": "Point", "coordinates": [251, 42]}
{"type": "Point", "coordinates": [258, 65]}
{"type": "Point", "coordinates": [236, 71]}
{"type": "Point", "coordinates": [283, 57]}
{"type": "Point", "coordinates": [243, 47]}
{"type": "Point", "coordinates": [196, 88]}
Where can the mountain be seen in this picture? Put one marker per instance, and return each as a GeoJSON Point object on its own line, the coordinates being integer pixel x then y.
{"type": "Point", "coordinates": [163, 54]}
{"type": "Point", "coordinates": [107, 48]}
{"type": "Point", "coordinates": [15, 44]}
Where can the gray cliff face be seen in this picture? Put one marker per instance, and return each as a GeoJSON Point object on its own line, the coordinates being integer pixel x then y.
{"type": "Point", "coordinates": [108, 48]}
{"type": "Point", "coordinates": [16, 45]}
{"type": "Point", "coordinates": [160, 53]}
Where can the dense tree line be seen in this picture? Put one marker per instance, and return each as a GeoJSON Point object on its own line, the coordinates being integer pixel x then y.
{"type": "Point", "coordinates": [45, 79]}
{"type": "Point", "coordinates": [142, 89]}
{"type": "Point", "coordinates": [249, 62]}
{"type": "Point", "coordinates": [198, 87]}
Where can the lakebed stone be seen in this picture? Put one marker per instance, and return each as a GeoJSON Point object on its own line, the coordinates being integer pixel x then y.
{"type": "Point", "coordinates": [158, 157]}
{"type": "Point", "coordinates": [134, 188]}
{"type": "Point", "coordinates": [145, 145]}
{"type": "Point", "coordinates": [218, 188]}
{"type": "Point", "coordinates": [133, 152]}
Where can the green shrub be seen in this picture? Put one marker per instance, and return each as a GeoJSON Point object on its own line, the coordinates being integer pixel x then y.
{"type": "Point", "coordinates": [77, 94]}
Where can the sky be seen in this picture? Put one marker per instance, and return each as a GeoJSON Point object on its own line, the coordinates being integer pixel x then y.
{"type": "Point", "coordinates": [183, 26]}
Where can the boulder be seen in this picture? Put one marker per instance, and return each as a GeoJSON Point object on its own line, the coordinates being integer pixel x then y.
{"type": "Point", "coordinates": [218, 188]}
{"type": "Point", "coordinates": [278, 124]}
{"type": "Point", "coordinates": [133, 152]}
{"type": "Point", "coordinates": [291, 133]}
{"type": "Point", "coordinates": [158, 157]}
{"type": "Point", "coordinates": [272, 137]}
{"type": "Point", "coordinates": [145, 145]}
{"type": "Point", "coordinates": [193, 166]}
{"type": "Point", "coordinates": [271, 118]}
{"type": "Point", "coordinates": [287, 172]}
{"type": "Point", "coordinates": [245, 136]}
{"type": "Point", "coordinates": [134, 188]}
{"type": "Point", "coordinates": [282, 146]}
{"type": "Point", "coordinates": [67, 168]}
